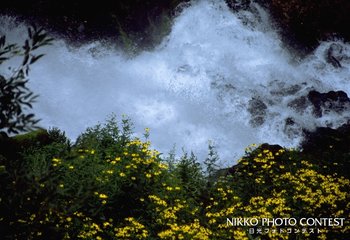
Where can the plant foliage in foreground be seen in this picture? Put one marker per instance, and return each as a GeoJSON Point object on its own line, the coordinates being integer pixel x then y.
{"type": "Point", "coordinates": [15, 97]}
{"type": "Point", "coordinates": [111, 185]}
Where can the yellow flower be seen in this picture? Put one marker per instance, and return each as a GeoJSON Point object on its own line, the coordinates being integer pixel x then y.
{"type": "Point", "coordinates": [102, 196]}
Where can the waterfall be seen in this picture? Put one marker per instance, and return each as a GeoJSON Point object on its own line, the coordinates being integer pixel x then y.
{"type": "Point", "coordinates": [219, 75]}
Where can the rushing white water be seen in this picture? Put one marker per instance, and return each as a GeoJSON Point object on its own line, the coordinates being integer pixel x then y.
{"type": "Point", "coordinates": [218, 76]}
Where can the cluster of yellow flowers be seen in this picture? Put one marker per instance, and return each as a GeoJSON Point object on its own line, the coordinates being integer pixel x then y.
{"type": "Point", "coordinates": [265, 185]}
{"type": "Point", "coordinates": [190, 230]}
{"type": "Point", "coordinates": [133, 230]}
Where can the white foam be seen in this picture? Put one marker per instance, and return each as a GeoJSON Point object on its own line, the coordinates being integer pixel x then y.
{"type": "Point", "coordinates": [196, 86]}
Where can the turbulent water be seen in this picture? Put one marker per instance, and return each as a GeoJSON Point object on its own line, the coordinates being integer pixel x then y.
{"type": "Point", "coordinates": [218, 76]}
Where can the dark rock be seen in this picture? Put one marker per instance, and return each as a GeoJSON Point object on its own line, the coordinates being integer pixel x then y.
{"type": "Point", "coordinates": [329, 148]}
{"type": "Point", "coordinates": [257, 108]}
{"type": "Point", "coordinates": [290, 121]}
{"type": "Point", "coordinates": [291, 128]}
{"type": "Point", "coordinates": [334, 54]}
{"type": "Point", "coordinates": [237, 5]}
{"type": "Point", "coordinates": [304, 23]}
{"type": "Point", "coordinates": [299, 104]}
{"type": "Point", "coordinates": [288, 90]}
{"type": "Point", "coordinates": [322, 138]}
{"type": "Point", "coordinates": [89, 20]}
{"type": "Point", "coordinates": [332, 101]}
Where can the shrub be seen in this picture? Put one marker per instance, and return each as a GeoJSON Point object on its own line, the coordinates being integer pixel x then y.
{"type": "Point", "coordinates": [111, 185]}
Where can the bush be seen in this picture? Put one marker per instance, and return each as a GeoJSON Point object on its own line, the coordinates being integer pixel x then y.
{"type": "Point", "coordinates": [111, 185]}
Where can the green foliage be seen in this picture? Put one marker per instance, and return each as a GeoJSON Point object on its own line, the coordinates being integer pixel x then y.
{"type": "Point", "coordinates": [110, 185]}
{"type": "Point", "coordinates": [106, 138]}
{"type": "Point", "coordinates": [15, 97]}
{"type": "Point", "coordinates": [58, 136]}
{"type": "Point", "coordinates": [188, 171]}
{"type": "Point", "coordinates": [211, 162]}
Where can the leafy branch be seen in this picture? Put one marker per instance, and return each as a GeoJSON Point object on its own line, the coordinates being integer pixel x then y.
{"type": "Point", "coordinates": [15, 97]}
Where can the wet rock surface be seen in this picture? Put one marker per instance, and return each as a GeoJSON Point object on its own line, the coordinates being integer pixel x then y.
{"type": "Point", "coordinates": [257, 108]}
{"type": "Point", "coordinates": [336, 101]}
{"type": "Point", "coordinates": [327, 139]}
{"type": "Point", "coordinates": [329, 146]}
{"type": "Point", "coordinates": [304, 23]}
{"type": "Point", "coordinates": [83, 20]}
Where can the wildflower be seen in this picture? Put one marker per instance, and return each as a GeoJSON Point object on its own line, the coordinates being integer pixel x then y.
{"type": "Point", "coordinates": [163, 166]}
{"type": "Point", "coordinates": [56, 162]}
{"type": "Point", "coordinates": [106, 224]}
{"type": "Point", "coordinates": [148, 175]}
{"type": "Point", "coordinates": [102, 196]}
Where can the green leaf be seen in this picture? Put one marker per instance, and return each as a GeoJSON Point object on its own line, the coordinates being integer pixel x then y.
{"type": "Point", "coordinates": [35, 58]}
{"type": "Point", "coordinates": [25, 59]}
{"type": "Point", "coordinates": [2, 41]}
{"type": "Point", "coordinates": [30, 32]}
